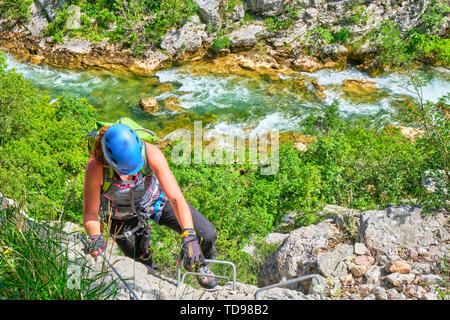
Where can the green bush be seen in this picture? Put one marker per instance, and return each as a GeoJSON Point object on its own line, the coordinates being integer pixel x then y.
{"type": "Point", "coordinates": [402, 49]}
{"type": "Point", "coordinates": [43, 146]}
{"type": "Point", "coordinates": [15, 10]}
{"type": "Point", "coordinates": [222, 42]}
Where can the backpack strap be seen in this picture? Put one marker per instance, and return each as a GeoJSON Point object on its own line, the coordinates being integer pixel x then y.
{"type": "Point", "coordinates": [145, 168]}
{"type": "Point", "coordinates": [108, 177]}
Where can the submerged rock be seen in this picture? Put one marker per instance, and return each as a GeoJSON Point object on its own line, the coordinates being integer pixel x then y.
{"type": "Point", "coordinates": [149, 105]}
{"type": "Point", "coordinates": [173, 104]}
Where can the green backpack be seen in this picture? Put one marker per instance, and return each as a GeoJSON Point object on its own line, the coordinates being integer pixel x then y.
{"type": "Point", "coordinates": [144, 134]}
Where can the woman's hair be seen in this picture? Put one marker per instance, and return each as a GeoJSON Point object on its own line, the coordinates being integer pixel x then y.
{"type": "Point", "coordinates": [97, 153]}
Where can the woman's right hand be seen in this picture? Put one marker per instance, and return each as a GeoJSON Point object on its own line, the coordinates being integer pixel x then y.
{"type": "Point", "coordinates": [95, 245]}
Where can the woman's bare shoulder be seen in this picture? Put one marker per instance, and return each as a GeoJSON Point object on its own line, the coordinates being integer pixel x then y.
{"type": "Point", "coordinates": [94, 171]}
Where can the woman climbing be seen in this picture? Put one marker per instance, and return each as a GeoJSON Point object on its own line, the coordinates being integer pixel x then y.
{"type": "Point", "coordinates": [127, 182]}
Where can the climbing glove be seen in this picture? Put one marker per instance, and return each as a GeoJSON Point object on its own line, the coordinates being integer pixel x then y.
{"type": "Point", "coordinates": [95, 243]}
{"type": "Point", "coordinates": [191, 251]}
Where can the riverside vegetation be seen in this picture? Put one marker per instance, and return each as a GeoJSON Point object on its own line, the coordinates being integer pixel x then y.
{"type": "Point", "coordinates": [43, 147]}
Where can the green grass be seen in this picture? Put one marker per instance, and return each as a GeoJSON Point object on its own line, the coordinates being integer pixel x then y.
{"type": "Point", "coordinates": [35, 264]}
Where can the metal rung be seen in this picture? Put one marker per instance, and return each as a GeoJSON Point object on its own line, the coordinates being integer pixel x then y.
{"type": "Point", "coordinates": [181, 279]}
{"type": "Point", "coordinates": [291, 281]}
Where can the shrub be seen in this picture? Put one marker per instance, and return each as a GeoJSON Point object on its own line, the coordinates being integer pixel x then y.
{"type": "Point", "coordinates": [43, 145]}
{"type": "Point", "coordinates": [221, 43]}
{"type": "Point", "coordinates": [15, 10]}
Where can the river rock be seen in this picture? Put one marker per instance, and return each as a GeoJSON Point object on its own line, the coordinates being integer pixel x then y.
{"type": "Point", "coordinates": [149, 105]}
{"type": "Point", "coordinates": [305, 63]}
{"type": "Point", "coordinates": [187, 38]}
{"type": "Point", "coordinates": [359, 86]}
{"type": "Point", "coordinates": [173, 104]}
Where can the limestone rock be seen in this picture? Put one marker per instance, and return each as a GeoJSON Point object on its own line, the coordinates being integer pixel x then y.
{"type": "Point", "coordinates": [297, 254]}
{"type": "Point", "coordinates": [209, 11]}
{"type": "Point", "coordinates": [187, 38]}
{"type": "Point", "coordinates": [37, 21]}
{"type": "Point", "coordinates": [50, 7]}
{"type": "Point", "coordinates": [329, 263]}
{"type": "Point", "coordinates": [246, 36]}
{"type": "Point", "coordinates": [397, 279]}
{"type": "Point", "coordinates": [265, 7]}
{"type": "Point", "coordinates": [398, 267]}
{"type": "Point", "coordinates": [404, 226]}
{"type": "Point", "coordinates": [409, 133]}
{"type": "Point", "coordinates": [361, 249]}
{"type": "Point", "coordinates": [306, 64]}
{"type": "Point", "coordinates": [364, 260]}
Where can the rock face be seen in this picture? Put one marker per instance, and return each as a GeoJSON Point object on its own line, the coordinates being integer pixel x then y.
{"type": "Point", "coordinates": [383, 264]}
{"type": "Point", "coordinates": [297, 255]}
{"type": "Point", "coordinates": [246, 36]}
{"type": "Point", "coordinates": [50, 7]}
{"type": "Point", "coordinates": [347, 270]}
{"type": "Point", "coordinates": [265, 7]}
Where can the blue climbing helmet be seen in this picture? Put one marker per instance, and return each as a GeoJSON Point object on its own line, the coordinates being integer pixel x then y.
{"type": "Point", "coordinates": [122, 148]}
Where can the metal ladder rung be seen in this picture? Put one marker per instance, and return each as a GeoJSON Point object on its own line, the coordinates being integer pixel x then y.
{"type": "Point", "coordinates": [291, 281]}
{"type": "Point", "coordinates": [181, 278]}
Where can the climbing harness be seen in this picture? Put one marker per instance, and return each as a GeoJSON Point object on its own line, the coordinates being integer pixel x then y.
{"type": "Point", "coordinates": [134, 295]}
{"type": "Point", "coordinates": [291, 281]}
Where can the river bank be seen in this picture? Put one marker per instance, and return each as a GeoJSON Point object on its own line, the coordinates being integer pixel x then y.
{"type": "Point", "coordinates": [266, 36]}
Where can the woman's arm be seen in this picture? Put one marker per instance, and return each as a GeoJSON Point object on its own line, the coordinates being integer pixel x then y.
{"type": "Point", "coordinates": [158, 163]}
{"type": "Point", "coordinates": [91, 198]}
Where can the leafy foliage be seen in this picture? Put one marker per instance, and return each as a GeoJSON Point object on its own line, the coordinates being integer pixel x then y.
{"type": "Point", "coordinates": [42, 145]}
{"type": "Point", "coordinates": [16, 10]}
{"type": "Point", "coordinates": [132, 24]}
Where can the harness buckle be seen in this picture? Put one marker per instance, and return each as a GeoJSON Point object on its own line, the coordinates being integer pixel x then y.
{"type": "Point", "coordinates": [127, 234]}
